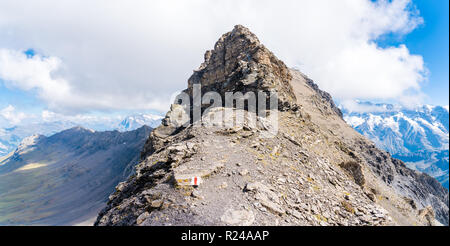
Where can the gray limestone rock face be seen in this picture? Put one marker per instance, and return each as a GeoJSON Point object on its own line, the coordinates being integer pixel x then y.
{"type": "Point", "coordinates": [240, 63]}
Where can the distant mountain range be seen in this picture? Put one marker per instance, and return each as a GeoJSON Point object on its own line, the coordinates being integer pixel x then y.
{"type": "Point", "coordinates": [11, 137]}
{"type": "Point", "coordinates": [419, 136]}
{"type": "Point", "coordinates": [66, 178]}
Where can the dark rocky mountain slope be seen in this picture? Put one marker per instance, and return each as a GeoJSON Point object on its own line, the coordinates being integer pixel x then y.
{"type": "Point", "coordinates": [65, 179]}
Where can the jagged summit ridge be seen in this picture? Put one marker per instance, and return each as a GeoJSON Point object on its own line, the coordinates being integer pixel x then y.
{"type": "Point", "coordinates": [239, 62]}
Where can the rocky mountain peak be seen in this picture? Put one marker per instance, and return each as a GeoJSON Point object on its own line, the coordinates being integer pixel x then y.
{"type": "Point", "coordinates": [79, 129]}
{"type": "Point", "coordinates": [314, 169]}
{"type": "Point", "coordinates": [28, 143]}
{"type": "Point", "coordinates": [239, 62]}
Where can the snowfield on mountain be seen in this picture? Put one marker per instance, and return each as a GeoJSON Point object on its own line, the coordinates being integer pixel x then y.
{"type": "Point", "coordinates": [417, 136]}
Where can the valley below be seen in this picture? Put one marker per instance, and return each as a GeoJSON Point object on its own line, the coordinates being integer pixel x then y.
{"type": "Point", "coordinates": [65, 179]}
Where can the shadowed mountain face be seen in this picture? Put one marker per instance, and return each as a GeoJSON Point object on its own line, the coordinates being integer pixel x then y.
{"type": "Point", "coordinates": [66, 178]}
{"type": "Point", "coordinates": [315, 169]}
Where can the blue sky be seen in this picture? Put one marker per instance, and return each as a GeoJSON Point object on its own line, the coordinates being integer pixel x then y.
{"type": "Point", "coordinates": [23, 99]}
{"type": "Point", "coordinates": [107, 60]}
{"type": "Point", "coordinates": [431, 40]}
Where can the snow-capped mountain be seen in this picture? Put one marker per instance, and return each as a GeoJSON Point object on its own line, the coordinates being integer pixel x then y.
{"type": "Point", "coordinates": [419, 136]}
{"type": "Point", "coordinates": [133, 122]}
{"type": "Point", "coordinates": [11, 137]}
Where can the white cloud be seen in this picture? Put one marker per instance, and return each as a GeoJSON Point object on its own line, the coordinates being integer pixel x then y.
{"type": "Point", "coordinates": [133, 54]}
{"type": "Point", "coordinates": [11, 115]}
{"type": "Point", "coordinates": [81, 119]}
{"type": "Point", "coordinates": [357, 107]}
{"type": "Point", "coordinates": [44, 74]}
{"type": "Point", "coordinates": [366, 71]}
{"type": "Point", "coordinates": [34, 73]}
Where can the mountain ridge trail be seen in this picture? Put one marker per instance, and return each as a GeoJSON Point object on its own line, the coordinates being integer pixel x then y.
{"type": "Point", "coordinates": [314, 170]}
